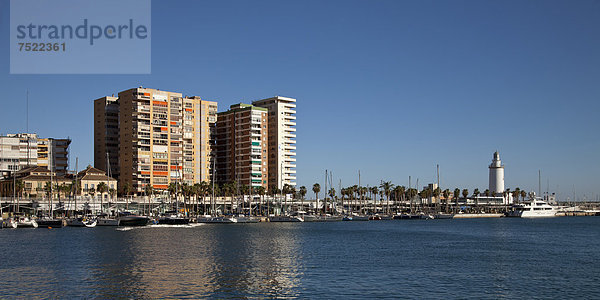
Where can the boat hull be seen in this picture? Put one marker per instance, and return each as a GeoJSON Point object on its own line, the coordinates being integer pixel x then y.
{"type": "Point", "coordinates": [9, 223]}
{"type": "Point", "coordinates": [54, 223]}
{"type": "Point", "coordinates": [173, 221]}
{"type": "Point", "coordinates": [79, 222]}
{"type": "Point", "coordinates": [107, 222]}
{"type": "Point", "coordinates": [215, 220]}
{"type": "Point", "coordinates": [133, 221]}
{"type": "Point", "coordinates": [285, 219]}
{"type": "Point", "coordinates": [27, 224]}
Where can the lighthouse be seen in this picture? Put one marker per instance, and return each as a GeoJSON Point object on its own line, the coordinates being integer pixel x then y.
{"type": "Point", "coordinates": [496, 175]}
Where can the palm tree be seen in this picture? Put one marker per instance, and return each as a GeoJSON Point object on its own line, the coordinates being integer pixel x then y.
{"type": "Point", "coordinates": [316, 189]}
{"type": "Point", "coordinates": [260, 190]}
{"type": "Point", "coordinates": [302, 192]}
{"type": "Point", "coordinates": [101, 188]}
{"type": "Point", "coordinates": [387, 186]}
{"type": "Point", "coordinates": [456, 195]}
{"type": "Point", "coordinates": [273, 191]}
{"type": "Point", "coordinates": [126, 189]}
{"type": "Point", "coordinates": [374, 193]}
{"type": "Point", "coordinates": [331, 194]}
{"type": "Point", "coordinates": [286, 190]}
{"type": "Point", "coordinates": [465, 193]}
{"type": "Point", "coordinates": [517, 193]}
{"type": "Point", "coordinates": [398, 194]}
{"type": "Point", "coordinates": [19, 187]}
{"type": "Point", "coordinates": [476, 194]}
{"type": "Point", "coordinates": [523, 195]}
{"type": "Point", "coordinates": [446, 194]}
{"type": "Point", "coordinates": [149, 191]}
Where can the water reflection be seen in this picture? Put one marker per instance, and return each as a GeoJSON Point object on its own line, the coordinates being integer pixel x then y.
{"type": "Point", "coordinates": [209, 261]}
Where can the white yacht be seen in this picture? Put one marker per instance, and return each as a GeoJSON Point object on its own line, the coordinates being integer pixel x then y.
{"type": "Point", "coordinates": [535, 209]}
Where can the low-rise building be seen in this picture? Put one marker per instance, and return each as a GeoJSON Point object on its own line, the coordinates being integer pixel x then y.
{"type": "Point", "coordinates": [35, 183]}
{"type": "Point", "coordinates": [89, 180]}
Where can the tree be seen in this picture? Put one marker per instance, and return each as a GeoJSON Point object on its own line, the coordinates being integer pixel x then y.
{"type": "Point", "coordinates": [446, 194]}
{"type": "Point", "coordinates": [516, 194]}
{"type": "Point", "coordinates": [260, 190]}
{"type": "Point", "coordinates": [476, 195]}
{"type": "Point", "coordinates": [374, 193]}
{"type": "Point", "coordinates": [387, 187]}
{"type": "Point", "coordinates": [398, 194]}
{"type": "Point", "coordinates": [19, 187]}
{"type": "Point", "coordinates": [456, 196]}
{"type": "Point", "coordinates": [126, 189]}
{"type": "Point", "coordinates": [331, 194]}
{"type": "Point", "coordinates": [101, 188]}
{"type": "Point", "coordinates": [316, 189]}
{"type": "Point", "coordinates": [302, 193]}
{"type": "Point", "coordinates": [523, 195]}
{"type": "Point", "coordinates": [465, 193]}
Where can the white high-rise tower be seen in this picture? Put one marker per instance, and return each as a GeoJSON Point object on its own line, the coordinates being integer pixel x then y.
{"type": "Point", "coordinates": [496, 175]}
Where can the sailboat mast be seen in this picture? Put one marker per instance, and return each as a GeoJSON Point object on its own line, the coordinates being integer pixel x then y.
{"type": "Point", "coordinates": [76, 183]}
{"type": "Point", "coordinates": [539, 183]}
{"type": "Point", "coordinates": [325, 192]}
{"type": "Point", "coordinates": [50, 163]}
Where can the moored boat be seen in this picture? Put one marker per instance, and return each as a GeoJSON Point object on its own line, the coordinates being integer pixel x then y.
{"type": "Point", "coordinates": [26, 222]}
{"type": "Point", "coordinates": [129, 219]}
{"type": "Point", "coordinates": [82, 222]}
{"type": "Point", "coordinates": [245, 219]}
{"type": "Point", "coordinates": [215, 220]}
{"type": "Point", "coordinates": [535, 209]}
{"type": "Point", "coordinates": [285, 219]}
{"type": "Point", "coordinates": [8, 223]}
{"type": "Point", "coordinates": [51, 223]}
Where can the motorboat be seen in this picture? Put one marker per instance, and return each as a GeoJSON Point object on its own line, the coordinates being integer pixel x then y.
{"type": "Point", "coordinates": [354, 217]}
{"type": "Point", "coordinates": [26, 222]}
{"type": "Point", "coordinates": [128, 219]}
{"type": "Point", "coordinates": [173, 220]}
{"type": "Point", "coordinates": [286, 219]}
{"type": "Point", "coordinates": [374, 217]}
{"type": "Point", "coordinates": [8, 223]}
{"type": "Point", "coordinates": [536, 208]}
{"type": "Point", "coordinates": [245, 219]}
{"type": "Point", "coordinates": [82, 222]}
{"type": "Point", "coordinates": [107, 222]}
{"type": "Point", "coordinates": [215, 220]}
{"type": "Point", "coordinates": [443, 216]}
{"type": "Point", "coordinates": [48, 222]}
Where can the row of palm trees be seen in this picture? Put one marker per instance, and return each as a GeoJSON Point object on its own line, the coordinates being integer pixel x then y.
{"type": "Point", "coordinates": [355, 196]}
{"type": "Point", "coordinates": [192, 194]}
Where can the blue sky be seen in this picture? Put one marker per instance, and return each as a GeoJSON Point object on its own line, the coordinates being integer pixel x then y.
{"type": "Point", "coordinates": [388, 87]}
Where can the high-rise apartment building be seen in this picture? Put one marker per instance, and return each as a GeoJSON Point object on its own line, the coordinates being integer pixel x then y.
{"type": "Point", "coordinates": [242, 146]}
{"type": "Point", "coordinates": [282, 139]}
{"type": "Point", "coordinates": [54, 155]}
{"type": "Point", "coordinates": [106, 134]}
{"type": "Point", "coordinates": [163, 137]}
{"type": "Point", "coordinates": [17, 151]}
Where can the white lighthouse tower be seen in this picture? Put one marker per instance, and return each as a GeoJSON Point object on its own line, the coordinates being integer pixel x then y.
{"type": "Point", "coordinates": [496, 175]}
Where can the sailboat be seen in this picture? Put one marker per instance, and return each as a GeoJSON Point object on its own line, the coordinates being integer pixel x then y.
{"type": "Point", "coordinates": [104, 219]}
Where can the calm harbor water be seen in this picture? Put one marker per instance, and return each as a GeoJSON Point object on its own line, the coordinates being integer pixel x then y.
{"type": "Point", "coordinates": [485, 258]}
